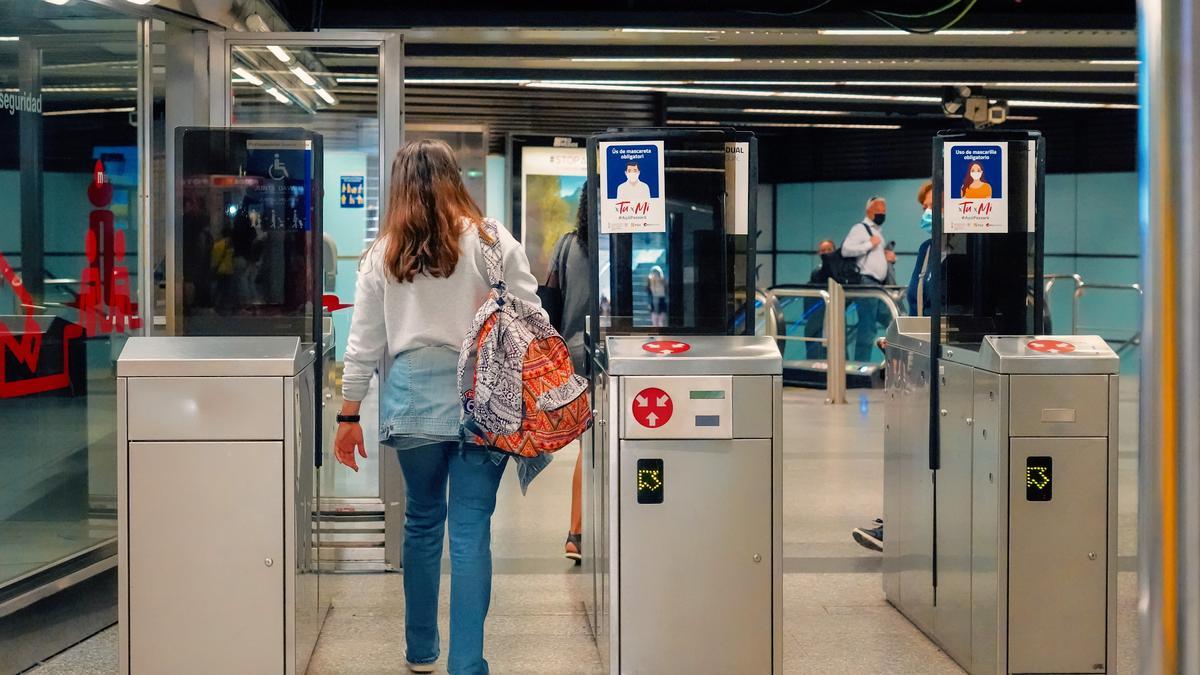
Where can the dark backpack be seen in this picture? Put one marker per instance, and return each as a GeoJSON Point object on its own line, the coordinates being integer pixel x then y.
{"type": "Point", "coordinates": [845, 270]}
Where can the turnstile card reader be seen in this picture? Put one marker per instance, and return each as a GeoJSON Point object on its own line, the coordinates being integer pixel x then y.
{"type": "Point", "coordinates": [685, 508]}
{"type": "Point", "coordinates": [1006, 553]}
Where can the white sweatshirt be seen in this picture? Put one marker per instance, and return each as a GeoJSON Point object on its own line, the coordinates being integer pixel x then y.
{"type": "Point", "coordinates": [392, 317]}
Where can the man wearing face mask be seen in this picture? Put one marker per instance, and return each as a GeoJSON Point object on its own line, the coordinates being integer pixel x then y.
{"type": "Point", "coordinates": [633, 189]}
{"type": "Point", "coordinates": [918, 285]}
{"type": "Point", "coordinates": [814, 308]}
{"type": "Point", "coordinates": [865, 242]}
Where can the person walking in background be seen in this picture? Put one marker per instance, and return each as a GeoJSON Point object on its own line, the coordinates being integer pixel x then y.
{"type": "Point", "coordinates": [864, 242]}
{"type": "Point", "coordinates": [419, 287]}
{"type": "Point", "coordinates": [656, 289]}
{"type": "Point", "coordinates": [919, 282]}
{"type": "Point", "coordinates": [569, 272]}
{"type": "Point", "coordinates": [814, 308]}
{"type": "Point", "coordinates": [872, 536]}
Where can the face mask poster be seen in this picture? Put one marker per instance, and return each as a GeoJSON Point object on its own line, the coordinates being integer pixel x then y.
{"type": "Point", "coordinates": [632, 187]}
{"type": "Point", "coordinates": [975, 175]}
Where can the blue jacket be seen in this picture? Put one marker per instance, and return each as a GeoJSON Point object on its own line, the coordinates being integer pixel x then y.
{"type": "Point", "coordinates": [916, 277]}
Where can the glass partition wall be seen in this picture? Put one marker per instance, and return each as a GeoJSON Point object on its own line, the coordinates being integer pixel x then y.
{"type": "Point", "coordinates": [339, 85]}
{"type": "Point", "coordinates": [69, 274]}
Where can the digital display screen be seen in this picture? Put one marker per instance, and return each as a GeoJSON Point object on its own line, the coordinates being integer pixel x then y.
{"type": "Point", "coordinates": [1039, 479]}
{"type": "Point", "coordinates": [650, 481]}
{"type": "Point", "coordinates": [706, 395]}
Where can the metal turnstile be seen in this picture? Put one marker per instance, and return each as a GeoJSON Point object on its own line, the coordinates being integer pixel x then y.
{"type": "Point", "coordinates": [1006, 554]}
{"type": "Point", "coordinates": [217, 494]}
{"type": "Point", "coordinates": [685, 512]}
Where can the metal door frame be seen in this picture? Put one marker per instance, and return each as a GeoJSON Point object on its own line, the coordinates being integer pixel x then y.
{"type": "Point", "coordinates": [390, 45]}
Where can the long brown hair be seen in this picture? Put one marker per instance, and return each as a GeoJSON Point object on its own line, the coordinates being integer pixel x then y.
{"type": "Point", "coordinates": [426, 211]}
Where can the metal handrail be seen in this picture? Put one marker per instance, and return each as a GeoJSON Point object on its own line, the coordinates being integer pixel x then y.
{"type": "Point", "coordinates": [834, 335]}
{"type": "Point", "coordinates": [1082, 287]}
{"type": "Point", "coordinates": [834, 296]}
{"type": "Point", "coordinates": [796, 292]}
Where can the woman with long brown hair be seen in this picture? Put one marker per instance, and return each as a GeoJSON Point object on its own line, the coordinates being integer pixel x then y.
{"type": "Point", "coordinates": [419, 286]}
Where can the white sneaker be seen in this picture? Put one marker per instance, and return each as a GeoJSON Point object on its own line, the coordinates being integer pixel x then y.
{"type": "Point", "coordinates": [421, 667]}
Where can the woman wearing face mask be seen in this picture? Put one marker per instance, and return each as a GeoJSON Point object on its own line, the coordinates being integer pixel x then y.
{"type": "Point", "coordinates": [973, 186]}
{"type": "Point", "coordinates": [921, 269]}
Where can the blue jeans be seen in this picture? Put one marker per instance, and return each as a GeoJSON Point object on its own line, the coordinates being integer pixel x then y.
{"type": "Point", "coordinates": [473, 480]}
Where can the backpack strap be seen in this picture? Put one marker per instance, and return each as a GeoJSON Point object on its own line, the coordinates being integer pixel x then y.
{"type": "Point", "coordinates": [493, 256]}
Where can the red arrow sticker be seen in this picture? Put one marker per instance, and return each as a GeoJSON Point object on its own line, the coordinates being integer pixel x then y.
{"type": "Point", "coordinates": [333, 303]}
{"type": "Point", "coordinates": [652, 407]}
{"type": "Point", "coordinates": [666, 347]}
{"type": "Point", "coordinates": [1050, 346]}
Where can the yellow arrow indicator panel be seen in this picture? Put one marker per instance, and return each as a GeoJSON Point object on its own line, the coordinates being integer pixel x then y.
{"type": "Point", "coordinates": [650, 481]}
{"type": "Point", "coordinates": [1039, 479]}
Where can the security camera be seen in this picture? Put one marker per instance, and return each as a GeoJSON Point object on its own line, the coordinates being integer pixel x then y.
{"type": "Point", "coordinates": [998, 113]}
{"type": "Point", "coordinates": [974, 106]}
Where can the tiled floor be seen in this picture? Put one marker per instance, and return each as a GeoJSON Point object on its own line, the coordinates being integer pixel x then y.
{"type": "Point", "coordinates": [835, 616]}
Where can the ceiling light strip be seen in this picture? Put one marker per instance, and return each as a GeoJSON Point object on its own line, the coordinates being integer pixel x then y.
{"type": "Point", "coordinates": [655, 59]}
{"type": "Point", "coordinates": [796, 125]}
{"type": "Point", "coordinates": [280, 53]}
{"type": "Point", "coordinates": [870, 32]}
{"type": "Point", "coordinates": [248, 76]}
{"type": "Point", "coordinates": [87, 111]}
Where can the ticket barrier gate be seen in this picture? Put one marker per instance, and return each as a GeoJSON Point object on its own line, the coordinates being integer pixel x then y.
{"type": "Point", "coordinates": [217, 496]}
{"type": "Point", "coordinates": [683, 476]}
{"type": "Point", "coordinates": [1005, 555]}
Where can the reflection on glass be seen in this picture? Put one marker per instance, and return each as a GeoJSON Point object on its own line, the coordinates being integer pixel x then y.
{"type": "Point", "coordinates": [342, 104]}
{"type": "Point", "coordinates": [248, 246]}
{"type": "Point", "coordinates": [68, 278]}
{"type": "Point", "coordinates": [691, 278]}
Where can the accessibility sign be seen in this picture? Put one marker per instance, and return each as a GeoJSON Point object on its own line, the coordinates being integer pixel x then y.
{"type": "Point", "coordinates": [652, 407]}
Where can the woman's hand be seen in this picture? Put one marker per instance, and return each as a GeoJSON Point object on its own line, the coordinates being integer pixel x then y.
{"type": "Point", "coordinates": [349, 438]}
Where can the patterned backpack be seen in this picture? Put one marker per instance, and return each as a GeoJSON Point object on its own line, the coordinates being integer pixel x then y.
{"type": "Point", "coordinates": [520, 394]}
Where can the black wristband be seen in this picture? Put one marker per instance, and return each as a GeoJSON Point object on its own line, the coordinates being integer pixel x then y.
{"type": "Point", "coordinates": [347, 418]}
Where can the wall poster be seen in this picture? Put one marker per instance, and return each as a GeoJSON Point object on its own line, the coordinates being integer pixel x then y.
{"type": "Point", "coordinates": [632, 187]}
{"type": "Point", "coordinates": [551, 181]}
{"type": "Point", "coordinates": [976, 176]}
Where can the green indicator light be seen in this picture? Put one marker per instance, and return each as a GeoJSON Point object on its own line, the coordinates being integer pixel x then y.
{"type": "Point", "coordinates": [706, 395]}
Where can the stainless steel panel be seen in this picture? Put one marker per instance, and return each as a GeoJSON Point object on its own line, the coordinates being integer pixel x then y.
{"type": "Point", "coordinates": [1011, 354]}
{"type": "Point", "coordinates": [1114, 442]}
{"type": "Point", "coordinates": [686, 411]}
{"type": "Point", "coordinates": [708, 355]}
{"type": "Point", "coordinates": [1058, 559]}
{"type": "Point", "coordinates": [205, 408]}
{"type": "Point", "coordinates": [203, 596]}
{"type": "Point", "coordinates": [893, 483]}
{"type": "Point", "coordinates": [1038, 401]}
{"type": "Point", "coordinates": [713, 617]}
{"type": "Point", "coordinates": [1085, 354]}
{"type": "Point", "coordinates": [777, 525]}
{"type": "Point", "coordinates": [952, 614]}
{"type": "Point", "coordinates": [989, 483]}
{"type": "Point", "coordinates": [223, 356]}
{"type": "Point", "coordinates": [122, 527]}
{"type": "Point", "coordinates": [916, 498]}
{"type": "Point", "coordinates": [910, 333]}
{"type": "Point", "coordinates": [753, 406]}
{"type": "Point", "coordinates": [594, 458]}
{"type": "Point", "coordinates": [309, 612]}
{"type": "Point", "coordinates": [610, 546]}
